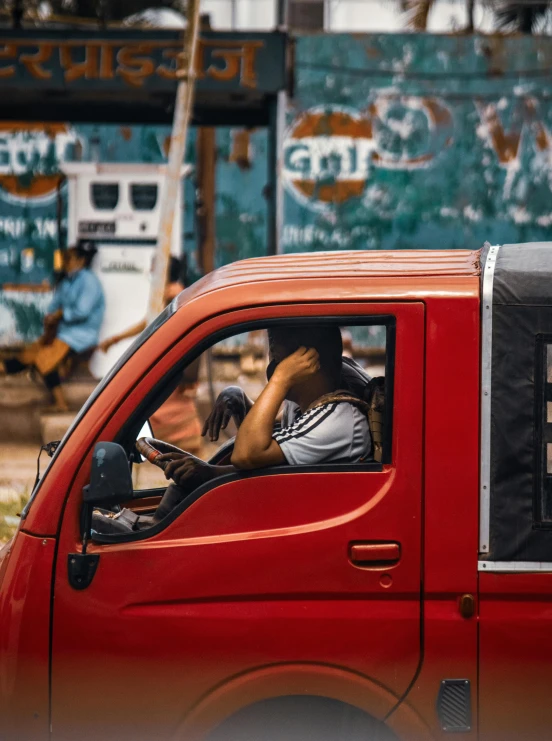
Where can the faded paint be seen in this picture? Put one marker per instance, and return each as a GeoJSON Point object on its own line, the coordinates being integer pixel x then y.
{"type": "Point", "coordinates": [393, 141]}
{"type": "Point", "coordinates": [420, 141]}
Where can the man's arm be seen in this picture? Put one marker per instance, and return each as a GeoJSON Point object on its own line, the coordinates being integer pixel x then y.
{"type": "Point", "coordinates": [255, 447]}
{"type": "Point", "coordinates": [136, 329]}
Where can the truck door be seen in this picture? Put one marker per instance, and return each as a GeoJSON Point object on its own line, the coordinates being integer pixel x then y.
{"type": "Point", "coordinates": [277, 583]}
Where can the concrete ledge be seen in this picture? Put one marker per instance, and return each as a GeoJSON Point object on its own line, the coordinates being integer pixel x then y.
{"type": "Point", "coordinates": [22, 401]}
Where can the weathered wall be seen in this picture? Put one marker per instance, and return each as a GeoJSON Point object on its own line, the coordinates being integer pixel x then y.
{"type": "Point", "coordinates": [393, 141]}
{"type": "Point", "coordinates": [30, 159]}
{"type": "Point", "coordinates": [399, 141]}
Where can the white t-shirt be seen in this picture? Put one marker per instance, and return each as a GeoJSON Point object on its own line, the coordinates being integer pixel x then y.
{"type": "Point", "coordinates": [331, 433]}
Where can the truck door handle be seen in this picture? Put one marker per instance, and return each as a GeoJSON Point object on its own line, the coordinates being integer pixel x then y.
{"type": "Point", "coordinates": [374, 554]}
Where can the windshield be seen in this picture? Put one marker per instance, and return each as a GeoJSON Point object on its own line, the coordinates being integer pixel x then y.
{"type": "Point", "coordinates": [143, 337]}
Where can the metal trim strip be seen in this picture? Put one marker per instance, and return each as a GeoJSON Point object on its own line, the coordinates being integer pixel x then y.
{"type": "Point", "coordinates": [486, 384]}
{"type": "Point", "coordinates": [514, 566]}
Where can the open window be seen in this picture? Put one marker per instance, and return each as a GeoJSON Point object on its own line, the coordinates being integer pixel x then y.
{"type": "Point", "coordinates": [235, 362]}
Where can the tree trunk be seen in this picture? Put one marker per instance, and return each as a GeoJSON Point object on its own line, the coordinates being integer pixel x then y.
{"type": "Point", "coordinates": [470, 8]}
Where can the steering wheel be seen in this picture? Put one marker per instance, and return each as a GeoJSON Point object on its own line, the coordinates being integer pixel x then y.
{"type": "Point", "coordinates": [151, 449]}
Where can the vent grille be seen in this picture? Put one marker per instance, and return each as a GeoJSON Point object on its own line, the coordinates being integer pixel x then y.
{"type": "Point", "coordinates": [454, 705]}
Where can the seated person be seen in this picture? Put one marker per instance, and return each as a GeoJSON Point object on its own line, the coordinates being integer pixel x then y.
{"type": "Point", "coordinates": [332, 424]}
{"type": "Point", "coordinates": [71, 326]}
{"type": "Point", "coordinates": [233, 404]}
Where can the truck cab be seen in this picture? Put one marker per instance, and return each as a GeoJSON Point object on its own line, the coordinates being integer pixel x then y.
{"type": "Point", "coordinates": [403, 597]}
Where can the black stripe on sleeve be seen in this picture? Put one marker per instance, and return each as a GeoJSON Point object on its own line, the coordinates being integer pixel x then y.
{"type": "Point", "coordinates": [302, 421]}
{"type": "Point", "coordinates": [295, 434]}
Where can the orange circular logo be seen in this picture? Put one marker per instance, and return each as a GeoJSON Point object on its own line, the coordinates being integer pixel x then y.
{"type": "Point", "coordinates": [327, 155]}
{"type": "Point", "coordinates": [30, 158]}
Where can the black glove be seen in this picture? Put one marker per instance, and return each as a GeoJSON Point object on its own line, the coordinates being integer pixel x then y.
{"type": "Point", "coordinates": [231, 403]}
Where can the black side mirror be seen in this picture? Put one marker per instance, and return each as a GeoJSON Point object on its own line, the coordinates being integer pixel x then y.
{"type": "Point", "coordinates": [110, 483]}
{"type": "Point", "coordinates": [110, 479]}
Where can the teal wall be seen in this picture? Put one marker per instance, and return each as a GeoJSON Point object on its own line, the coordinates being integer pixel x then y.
{"type": "Point", "coordinates": [399, 141]}
{"type": "Point", "coordinates": [392, 142]}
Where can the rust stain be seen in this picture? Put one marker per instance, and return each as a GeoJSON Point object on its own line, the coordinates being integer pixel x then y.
{"type": "Point", "coordinates": [439, 114]}
{"type": "Point", "coordinates": [506, 143]}
{"type": "Point", "coordinates": [337, 192]}
{"type": "Point", "coordinates": [372, 52]}
{"type": "Point", "coordinates": [126, 133]}
{"type": "Point", "coordinates": [332, 124]}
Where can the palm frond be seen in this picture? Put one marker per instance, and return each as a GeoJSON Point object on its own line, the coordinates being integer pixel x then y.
{"type": "Point", "coordinates": [418, 13]}
{"type": "Point", "coordinates": [516, 15]}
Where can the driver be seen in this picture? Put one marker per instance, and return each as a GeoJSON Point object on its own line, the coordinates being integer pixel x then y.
{"type": "Point", "coordinates": [331, 424]}
{"type": "Point", "coordinates": [233, 403]}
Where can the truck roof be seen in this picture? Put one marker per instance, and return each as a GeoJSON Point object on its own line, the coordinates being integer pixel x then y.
{"type": "Point", "coordinates": [352, 264]}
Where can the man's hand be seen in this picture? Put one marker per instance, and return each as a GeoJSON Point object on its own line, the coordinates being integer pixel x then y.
{"type": "Point", "coordinates": [106, 344]}
{"type": "Point", "coordinates": [231, 403]}
{"type": "Point", "coordinates": [182, 467]}
{"type": "Point", "coordinates": [297, 367]}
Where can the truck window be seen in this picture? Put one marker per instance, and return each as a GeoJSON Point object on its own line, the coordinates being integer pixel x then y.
{"type": "Point", "coordinates": [238, 363]}
{"type": "Point", "coordinates": [212, 394]}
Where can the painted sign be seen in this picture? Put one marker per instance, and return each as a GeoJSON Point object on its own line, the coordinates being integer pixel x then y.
{"type": "Point", "coordinates": [398, 141]}
{"type": "Point", "coordinates": [30, 155]}
{"type": "Point", "coordinates": [329, 151]}
{"type": "Point", "coordinates": [225, 62]}
{"type": "Point", "coordinates": [392, 141]}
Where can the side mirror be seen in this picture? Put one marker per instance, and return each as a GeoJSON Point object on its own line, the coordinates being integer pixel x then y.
{"type": "Point", "coordinates": [110, 479]}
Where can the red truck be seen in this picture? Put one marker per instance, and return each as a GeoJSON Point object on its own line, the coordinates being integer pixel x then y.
{"type": "Point", "coordinates": [406, 598]}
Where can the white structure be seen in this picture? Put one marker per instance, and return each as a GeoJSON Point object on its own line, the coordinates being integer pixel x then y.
{"type": "Point", "coordinates": [362, 16]}
{"type": "Point", "coordinates": [117, 206]}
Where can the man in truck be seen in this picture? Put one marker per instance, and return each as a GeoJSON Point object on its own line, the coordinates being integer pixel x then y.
{"type": "Point", "coordinates": [332, 426]}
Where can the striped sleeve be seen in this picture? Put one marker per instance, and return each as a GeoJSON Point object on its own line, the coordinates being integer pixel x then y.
{"type": "Point", "coordinates": [322, 434]}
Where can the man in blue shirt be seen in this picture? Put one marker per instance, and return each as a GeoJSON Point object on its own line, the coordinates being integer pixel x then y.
{"type": "Point", "coordinates": [71, 326]}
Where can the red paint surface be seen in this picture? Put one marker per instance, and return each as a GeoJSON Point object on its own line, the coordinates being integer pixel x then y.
{"type": "Point", "coordinates": [255, 574]}
{"type": "Point", "coordinates": [250, 593]}
{"type": "Point", "coordinates": [24, 639]}
{"type": "Point", "coordinates": [515, 656]}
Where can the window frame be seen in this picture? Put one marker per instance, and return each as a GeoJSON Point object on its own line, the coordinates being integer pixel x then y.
{"type": "Point", "coordinates": [165, 386]}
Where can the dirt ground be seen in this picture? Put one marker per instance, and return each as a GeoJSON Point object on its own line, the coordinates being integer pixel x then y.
{"type": "Point", "coordinates": [18, 474]}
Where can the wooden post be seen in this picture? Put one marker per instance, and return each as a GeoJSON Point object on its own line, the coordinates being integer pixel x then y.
{"type": "Point", "coordinates": [206, 161]}
{"type": "Point", "coordinates": [182, 114]}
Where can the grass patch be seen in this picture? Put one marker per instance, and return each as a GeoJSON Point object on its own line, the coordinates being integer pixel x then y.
{"type": "Point", "coordinates": [10, 509]}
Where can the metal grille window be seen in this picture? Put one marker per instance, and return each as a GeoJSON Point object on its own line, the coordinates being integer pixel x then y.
{"type": "Point", "coordinates": [544, 430]}
{"type": "Point", "coordinates": [105, 196]}
{"type": "Point", "coordinates": [143, 196]}
{"type": "Point", "coordinates": [306, 15]}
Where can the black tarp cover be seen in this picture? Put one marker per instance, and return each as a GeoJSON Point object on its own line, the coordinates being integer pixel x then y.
{"type": "Point", "coordinates": [521, 323]}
